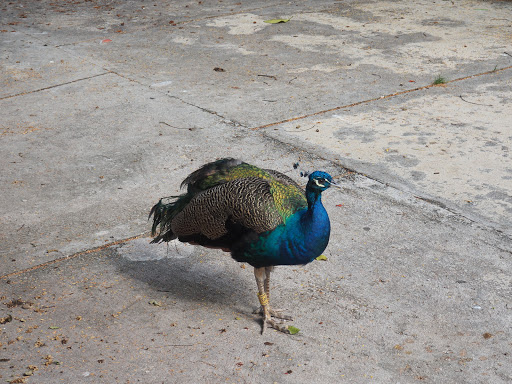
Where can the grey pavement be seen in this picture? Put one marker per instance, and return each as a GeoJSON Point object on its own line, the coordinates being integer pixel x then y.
{"type": "Point", "coordinates": [107, 106]}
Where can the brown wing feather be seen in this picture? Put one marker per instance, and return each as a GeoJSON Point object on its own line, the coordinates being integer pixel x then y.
{"type": "Point", "coordinates": [248, 202]}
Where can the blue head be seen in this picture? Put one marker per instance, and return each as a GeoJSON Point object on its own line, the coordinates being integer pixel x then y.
{"type": "Point", "coordinates": [319, 181]}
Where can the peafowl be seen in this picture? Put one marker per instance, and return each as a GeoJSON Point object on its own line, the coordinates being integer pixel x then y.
{"type": "Point", "coordinates": [261, 216]}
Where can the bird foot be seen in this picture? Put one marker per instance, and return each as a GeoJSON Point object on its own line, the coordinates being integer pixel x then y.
{"type": "Point", "coordinates": [276, 325]}
{"type": "Point", "coordinates": [268, 319]}
{"type": "Point", "coordinates": [275, 313]}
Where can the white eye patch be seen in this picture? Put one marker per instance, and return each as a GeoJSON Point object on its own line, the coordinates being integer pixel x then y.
{"type": "Point", "coordinates": [319, 184]}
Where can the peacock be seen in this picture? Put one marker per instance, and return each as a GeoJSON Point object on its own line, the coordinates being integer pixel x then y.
{"type": "Point", "coordinates": [261, 216]}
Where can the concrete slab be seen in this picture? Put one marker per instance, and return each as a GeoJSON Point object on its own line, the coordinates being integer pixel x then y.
{"type": "Point", "coordinates": [75, 160]}
{"type": "Point", "coordinates": [29, 64]}
{"type": "Point", "coordinates": [329, 54]}
{"type": "Point", "coordinates": [449, 143]}
{"type": "Point", "coordinates": [409, 293]}
{"type": "Point", "coordinates": [87, 173]}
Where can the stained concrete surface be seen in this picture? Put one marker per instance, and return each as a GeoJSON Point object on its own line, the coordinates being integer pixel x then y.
{"type": "Point", "coordinates": [390, 304]}
{"type": "Point", "coordinates": [107, 106]}
{"type": "Point", "coordinates": [451, 144]}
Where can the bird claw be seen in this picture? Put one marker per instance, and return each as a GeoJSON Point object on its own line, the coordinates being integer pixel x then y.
{"type": "Point", "coordinates": [275, 313]}
{"type": "Point", "coordinates": [276, 325]}
{"type": "Point", "coordinates": [278, 315]}
{"type": "Point", "coordinates": [268, 319]}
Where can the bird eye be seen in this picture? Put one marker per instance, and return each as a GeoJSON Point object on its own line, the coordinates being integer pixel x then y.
{"type": "Point", "coordinates": [319, 182]}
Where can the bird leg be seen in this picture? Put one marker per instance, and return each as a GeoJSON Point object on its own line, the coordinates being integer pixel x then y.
{"type": "Point", "coordinates": [276, 313]}
{"type": "Point", "coordinates": [263, 282]}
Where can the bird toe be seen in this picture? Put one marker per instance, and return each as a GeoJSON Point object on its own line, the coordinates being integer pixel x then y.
{"type": "Point", "coordinates": [277, 326]}
{"type": "Point", "coordinates": [275, 313]}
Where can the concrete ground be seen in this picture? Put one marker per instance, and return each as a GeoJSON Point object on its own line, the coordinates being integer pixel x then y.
{"type": "Point", "coordinates": [107, 106]}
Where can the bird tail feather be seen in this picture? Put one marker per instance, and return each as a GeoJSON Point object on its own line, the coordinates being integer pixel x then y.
{"type": "Point", "coordinates": [163, 212]}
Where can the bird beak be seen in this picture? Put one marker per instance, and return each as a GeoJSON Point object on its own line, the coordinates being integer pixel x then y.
{"type": "Point", "coordinates": [336, 185]}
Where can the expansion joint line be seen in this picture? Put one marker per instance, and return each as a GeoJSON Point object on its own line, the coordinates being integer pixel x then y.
{"type": "Point", "coordinates": [55, 86]}
{"type": "Point", "coordinates": [378, 98]}
{"type": "Point", "coordinates": [224, 119]}
{"type": "Point", "coordinates": [101, 247]}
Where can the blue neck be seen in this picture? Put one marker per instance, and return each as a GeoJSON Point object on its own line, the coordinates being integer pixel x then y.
{"type": "Point", "coordinates": [313, 197]}
{"type": "Point", "coordinates": [315, 226]}
{"type": "Point", "coordinates": [302, 239]}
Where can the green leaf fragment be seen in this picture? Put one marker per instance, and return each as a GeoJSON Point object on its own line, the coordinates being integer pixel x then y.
{"type": "Point", "coordinates": [277, 21]}
{"type": "Point", "coordinates": [293, 330]}
{"type": "Point", "coordinates": [54, 327]}
{"type": "Point", "coordinates": [321, 257]}
{"type": "Point", "coordinates": [155, 303]}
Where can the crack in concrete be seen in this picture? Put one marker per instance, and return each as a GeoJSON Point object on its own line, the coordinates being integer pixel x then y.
{"type": "Point", "coordinates": [54, 86]}
{"type": "Point", "coordinates": [224, 119]}
{"type": "Point", "coordinates": [379, 98]}
{"type": "Point", "coordinates": [444, 205]}
{"type": "Point", "coordinates": [85, 252]}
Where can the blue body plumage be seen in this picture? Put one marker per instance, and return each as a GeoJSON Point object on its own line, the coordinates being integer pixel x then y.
{"type": "Point", "coordinates": [299, 240]}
